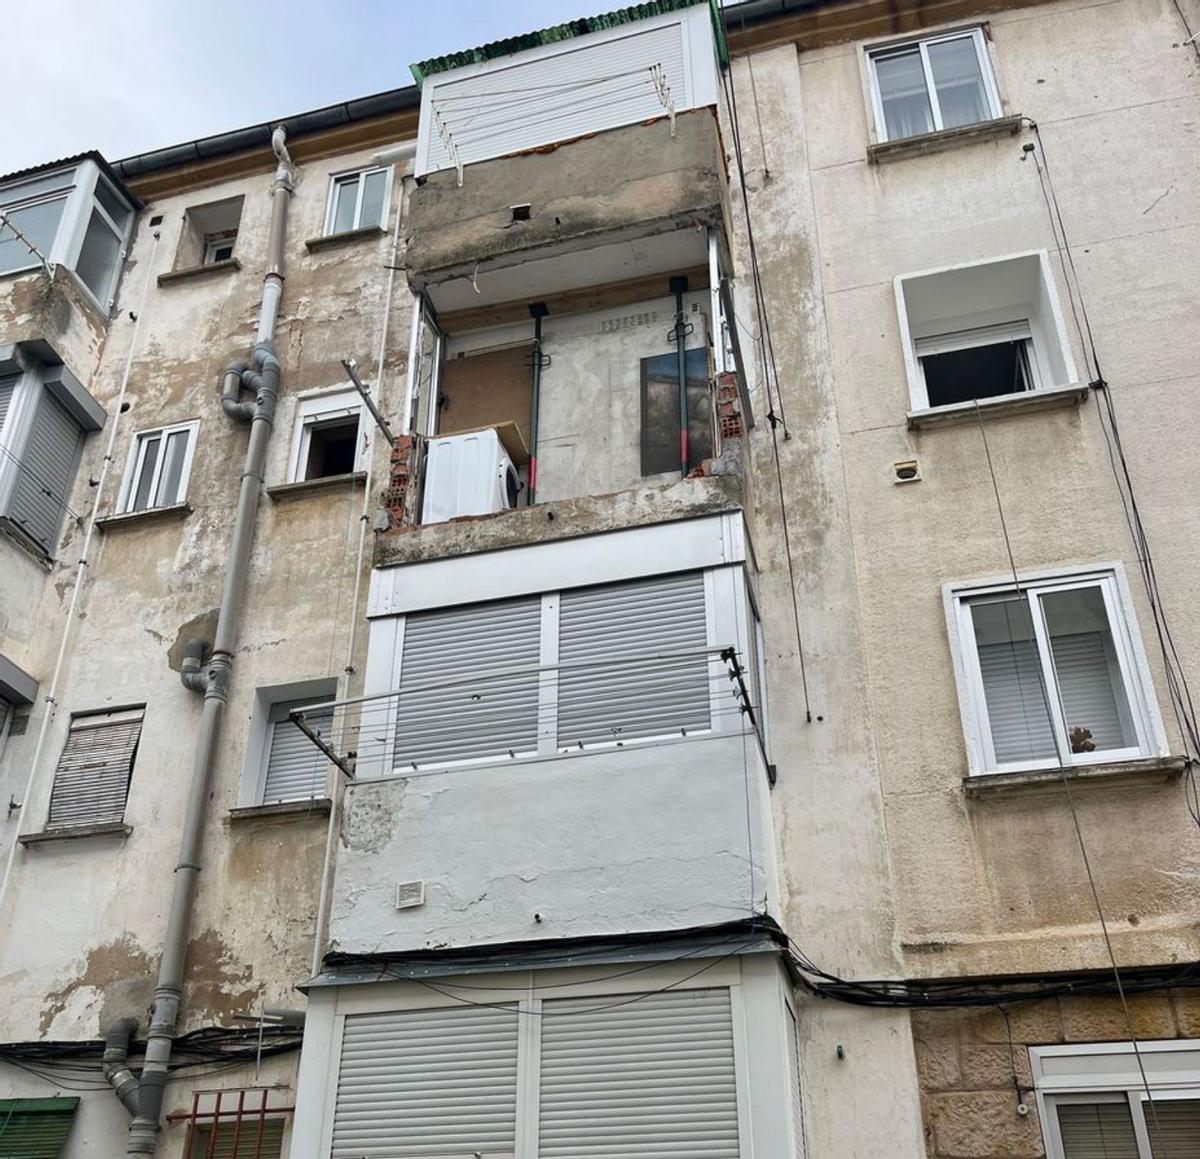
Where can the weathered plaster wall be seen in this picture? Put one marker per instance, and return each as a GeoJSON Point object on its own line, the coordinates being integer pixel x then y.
{"type": "Point", "coordinates": [83, 920]}
{"type": "Point", "coordinates": [971, 1063]}
{"type": "Point", "coordinates": [661, 837]}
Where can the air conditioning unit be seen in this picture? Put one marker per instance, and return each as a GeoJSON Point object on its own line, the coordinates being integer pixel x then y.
{"type": "Point", "coordinates": [468, 474]}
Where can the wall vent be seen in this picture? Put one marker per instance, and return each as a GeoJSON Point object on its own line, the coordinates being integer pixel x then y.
{"type": "Point", "coordinates": [410, 894]}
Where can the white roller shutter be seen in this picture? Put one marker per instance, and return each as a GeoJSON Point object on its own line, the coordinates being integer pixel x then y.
{"type": "Point", "coordinates": [591, 86]}
{"type": "Point", "coordinates": [8, 386]}
{"type": "Point", "coordinates": [295, 766]}
{"type": "Point", "coordinates": [91, 781]}
{"type": "Point", "coordinates": [649, 1077]}
{"type": "Point", "coordinates": [427, 1083]}
{"type": "Point", "coordinates": [469, 683]}
{"type": "Point", "coordinates": [46, 472]}
{"type": "Point", "coordinates": [1086, 678]}
{"type": "Point", "coordinates": [1016, 703]}
{"type": "Point", "coordinates": [632, 660]}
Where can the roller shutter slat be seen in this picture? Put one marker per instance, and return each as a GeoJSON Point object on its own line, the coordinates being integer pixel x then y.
{"type": "Point", "coordinates": [620, 675]}
{"type": "Point", "coordinates": [610, 1087]}
{"type": "Point", "coordinates": [425, 1084]}
{"type": "Point", "coordinates": [46, 472]}
{"type": "Point", "coordinates": [91, 781]}
{"type": "Point", "coordinates": [295, 766]}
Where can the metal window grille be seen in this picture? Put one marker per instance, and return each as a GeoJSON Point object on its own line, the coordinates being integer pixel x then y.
{"type": "Point", "coordinates": [244, 1123]}
{"type": "Point", "coordinates": [91, 781]}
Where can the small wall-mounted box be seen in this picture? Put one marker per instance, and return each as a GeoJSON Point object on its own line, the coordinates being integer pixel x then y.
{"type": "Point", "coordinates": [906, 471]}
{"type": "Point", "coordinates": [410, 894]}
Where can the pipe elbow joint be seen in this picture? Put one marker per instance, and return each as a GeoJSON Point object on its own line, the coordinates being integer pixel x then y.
{"type": "Point", "coordinates": [191, 670]}
{"type": "Point", "coordinates": [242, 411]}
{"type": "Point", "coordinates": [115, 1063]}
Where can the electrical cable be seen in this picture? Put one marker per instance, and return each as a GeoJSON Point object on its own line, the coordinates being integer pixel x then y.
{"type": "Point", "coordinates": [1191, 36]}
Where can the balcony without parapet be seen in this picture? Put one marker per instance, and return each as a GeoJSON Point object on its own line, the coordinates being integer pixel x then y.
{"type": "Point", "coordinates": [637, 198]}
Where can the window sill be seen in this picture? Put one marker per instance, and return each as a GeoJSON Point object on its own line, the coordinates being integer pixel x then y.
{"type": "Point", "coordinates": [21, 540]}
{"type": "Point", "coordinates": [881, 152]}
{"type": "Point", "coordinates": [76, 833]}
{"type": "Point", "coordinates": [110, 523]}
{"type": "Point", "coordinates": [329, 240]}
{"type": "Point", "coordinates": [319, 806]}
{"type": "Point", "coordinates": [306, 487]}
{"type": "Point", "coordinates": [1003, 405]}
{"type": "Point", "coordinates": [199, 271]}
{"type": "Point", "coordinates": [1148, 770]}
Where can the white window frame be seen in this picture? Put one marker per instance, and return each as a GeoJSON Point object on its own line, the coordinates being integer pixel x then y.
{"type": "Point", "coordinates": [1131, 659]}
{"type": "Point", "coordinates": [1044, 342]}
{"type": "Point", "coordinates": [318, 409]}
{"type": "Point", "coordinates": [1109, 1072]}
{"type": "Point", "coordinates": [875, 52]}
{"type": "Point", "coordinates": [755, 983]}
{"type": "Point", "coordinates": [729, 616]}
{"type": "Point", "coordinates": [338, 179]}
{"type": "Point", "coordinates": [214, 242]}
{"type": "Point", "coordinates": [258, 739]}
{"type": "Point", "coordinates": [137, 456]}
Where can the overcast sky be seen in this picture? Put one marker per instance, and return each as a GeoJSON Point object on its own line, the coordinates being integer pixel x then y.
{"type": "Point", "coordinates": [128, 76]}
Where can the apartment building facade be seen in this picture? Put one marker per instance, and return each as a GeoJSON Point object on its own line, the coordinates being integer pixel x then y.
{"type": "Point", "coordinates": [690, 656]}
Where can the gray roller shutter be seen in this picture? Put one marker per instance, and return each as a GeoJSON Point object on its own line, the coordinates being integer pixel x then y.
{"type": "Point", "coordinates": [427, 1083]}
{"type": "Point", "coordinates": [469, 683]}
{"type": "Point", "coordinates": [1097, 1131]}
{"type": "Point", "coordinates": [649, 1077]}
{"type": "Point", "coordinates": [295, 766]}
{"type": "Point", "coordinates": [1174, 1126]}
{"type": "Point", "coordinates": [8, 386]}
{"type": "Point", "coordinates": [1016, 703]}
{"type": "Point", "coordinates": [257, 1138]}
{"type": "Point", "coordinates": [91, 781]}
{"type": "Point", "coordinates": [46, 471]}
{"type": "Point", "coordinates": [1087, 682]}
{"type": "Point", "coordinates": [632, 660]}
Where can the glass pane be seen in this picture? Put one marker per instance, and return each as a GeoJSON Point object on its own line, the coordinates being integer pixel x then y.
{"type": "Point", "coordinates": [98, 256]}
{"type": "Point", "coordinates": [374, 188]}
{"type": "Point", "coordinates": [1018, 711]}
{"type": "Point", "coordinates": [902, 92]}
{"type": "Point", "coordinates": [141, 493]}
{"type": "Point", "coordinates": [959, 82]}
{"type": "Point", "coordinates": [39, 224]}
{"type": "Point", "coordinates": [1090, 687]}
{"type": "Point", "coordinates": [36, 186]}
{"type": "Point", "coordinates": [1097, 1131]}
{"type": "Point", "coordinates": [1174, 1126]}
{"type": "Point", "coordinates": [111, 203]}
{"type": "Point", "coordinates": [978, 372]}
{"type": "Point", "coordinates": [172, 472]}
{"type": "Point", "coordinates": [344, 194]}
{"type": "Point", "coordinates": [660, 412]}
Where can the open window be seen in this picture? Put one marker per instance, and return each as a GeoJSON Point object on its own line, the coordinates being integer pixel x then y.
{"type": "Point", "coordinates": [982, 331]}
{"type": "Point", "coordinates": [1051, 674]}
{"type": "Point", "coordinates": [209, 234]}
{"type": "Point", "coordinates": [327, 442]}
{"type": "Point", "coordinates": [160, 463]}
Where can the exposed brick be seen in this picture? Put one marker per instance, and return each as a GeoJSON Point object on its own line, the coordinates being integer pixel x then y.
{"type": "Point", "coordinates": [1103, 1019]}
{"type": "Point", "coordinates": [983, 1125]}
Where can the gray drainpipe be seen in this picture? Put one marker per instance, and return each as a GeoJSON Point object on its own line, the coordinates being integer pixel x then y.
{"type": "Point", "coordinates": [213, 679]}
{"type": "Point", "coordinates": [116, 1066]}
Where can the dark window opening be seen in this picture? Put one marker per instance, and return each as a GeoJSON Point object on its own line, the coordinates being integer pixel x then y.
{"type": "Point", "coordinates": [332, 448]}
{"type": "Point", "coordinates": [660, 412]}
{"type": "Point", "coordinates": [218, 247]}
{"type": "Point", "coordinates": [978, 372]}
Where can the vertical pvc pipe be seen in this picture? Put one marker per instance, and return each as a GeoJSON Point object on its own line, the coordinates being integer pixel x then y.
{"type": "Point", "coordinates": [678, 288]}
{"type": "Point", "coordinates": [538, 311]}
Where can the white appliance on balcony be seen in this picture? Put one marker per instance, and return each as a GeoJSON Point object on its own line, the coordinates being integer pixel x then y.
{"type": "Point", "coordinates": [468, 474]}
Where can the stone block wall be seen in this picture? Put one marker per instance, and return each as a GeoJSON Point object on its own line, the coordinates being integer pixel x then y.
{"type": "Point", "coordinates": [973, 1075]}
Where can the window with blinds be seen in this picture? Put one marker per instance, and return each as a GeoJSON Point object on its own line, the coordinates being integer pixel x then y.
{"type": "Point", "coordinates": [295, 767]}
{"type": "Point", "coordinates": [555, 672]}
{"type": "Point", "coordinates": [612, 1075]}
{"type": "Point", "coordinates": [254, 1138]}
{"type": "Point", "coordinates": [427, 1083]}
{"type": "Point", "coordinates": [45, 472]}
{"type": "Point", "coordinates": [35, 1128]}
{"type": "Point", "coordinates": [91, 781]}
{"type": "Point", "coordinates": [1108, 1129]}
{"type": "Point", "coordinates": [1052, 676]}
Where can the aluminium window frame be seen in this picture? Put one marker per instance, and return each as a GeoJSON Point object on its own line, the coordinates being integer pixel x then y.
{"type": "Point", "coordinates": [136, 460]}
{"type": "Point", "coordinates": [344, 177]}
{"type": "Point", "coordinates": [315, 410]}
{"type": "Point", "coordinates": [980, 336]}
{"type": "Point", "coordinates": [875, 52]}
{"type": "Point", "coordinates": [1126, 638]}
{"type": "Point", "coordinates": [1098, 1080]}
